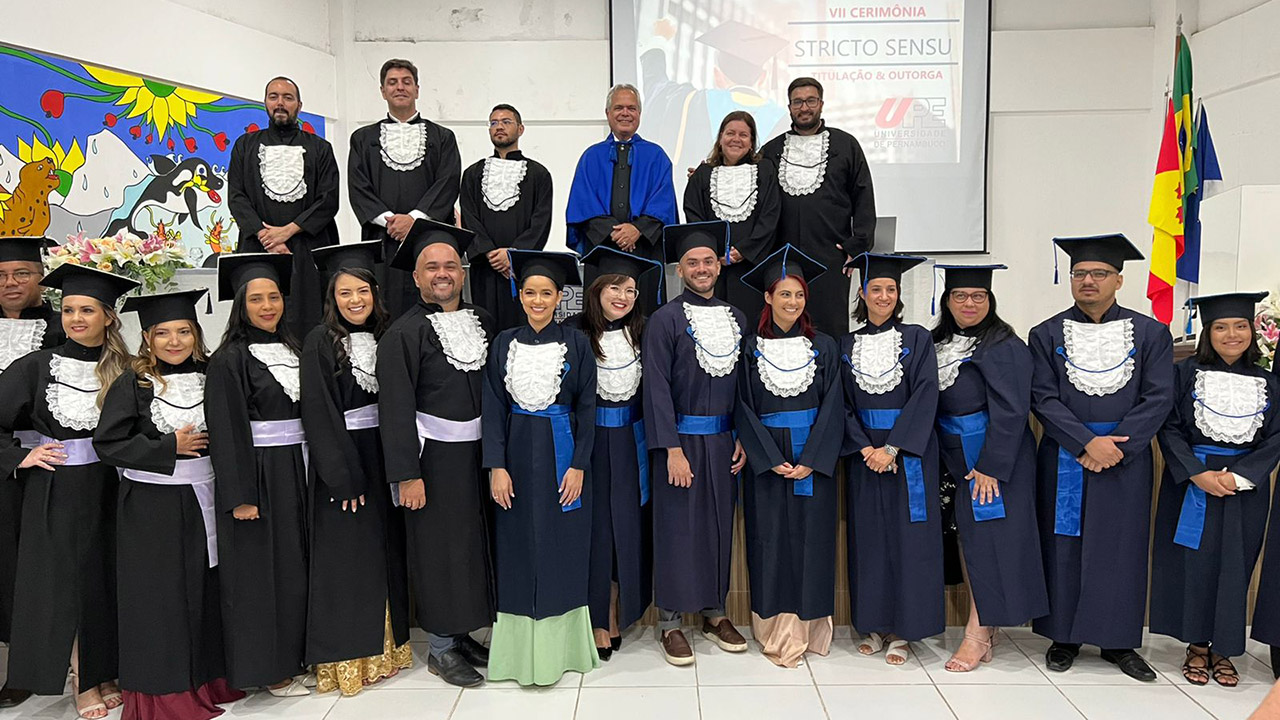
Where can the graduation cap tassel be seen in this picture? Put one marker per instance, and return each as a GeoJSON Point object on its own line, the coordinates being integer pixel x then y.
{"type": "Point", "coordinates": [208, 303]}
{"type": "Point", "coordinates": [512, 279]}
{"type": "Point", "coordinates": [1055, 266]}
{"type": "Point", "coordinates": [785, 249]}
{"type": "Point", "coordinates": [1191, 313]}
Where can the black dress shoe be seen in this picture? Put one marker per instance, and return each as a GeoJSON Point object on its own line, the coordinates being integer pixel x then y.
{"type": "Point", "coordinates": [1131, 664]}
{"type": "Point", "coordinates": [605, 653]}
{"type": "Point", "coordinates": [474, 653]}
{"type": "Point", "coordinates": [1061, 656]}
{"type": "Point", "coordinates": [454, 669]}
{"type": "Point", "coordinates": [12, 697]}
{"type": "Point", "coordinates": [615, 643]}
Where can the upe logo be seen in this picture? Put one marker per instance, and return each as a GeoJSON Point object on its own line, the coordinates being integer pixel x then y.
{"type": "Point", "coordinates": [908, 112]}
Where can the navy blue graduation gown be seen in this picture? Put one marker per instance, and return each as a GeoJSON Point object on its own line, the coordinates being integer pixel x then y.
{"type": "Point", "coordinates": [1002, 554]}
{"type": "Point", "coordinates": [543, 551]}
{"type": "Point", "coordinates": [895, 563]}
{"type": "Point", "coordinates": [1266, 611]}
{"type": "Point", "coordinates": [1097, 580]}
{"type": "Point", "coordinates": [693, 526]}
{"type": "Point", "coordinates": [790, 524]}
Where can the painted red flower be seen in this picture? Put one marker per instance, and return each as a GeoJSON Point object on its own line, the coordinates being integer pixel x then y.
{"type": "Point", "coordinates": [191, 144]}
{"type": "Point", "coordinates": [150, 137]}
{"type": "Point", "coordinates": [109, 120]}
{"type": "Point", "coordinates": [53, 102]}
{"type": "Point", "coordinates": [306, 126]}
{"type": "Point", "coordinates": [251, 127]}
{"type": "Point", "coordinates": [221, 141]}
{"type": "Point", "coordinates": [170, 143]}
{"type": "Point", "coordinates": [136, 131]}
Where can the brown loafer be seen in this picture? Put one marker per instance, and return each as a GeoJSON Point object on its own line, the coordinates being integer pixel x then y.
{"type": "Point", "coordinates": [677, 649]}
{"type": "Point", "coordinates": [725, 635]}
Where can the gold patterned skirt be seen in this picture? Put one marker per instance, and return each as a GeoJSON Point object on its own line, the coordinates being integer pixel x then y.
{"type": "Point", "coordinates": [350, 676]}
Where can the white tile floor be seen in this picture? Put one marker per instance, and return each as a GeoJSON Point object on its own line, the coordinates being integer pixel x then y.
{"type": "Point", "coordinates": [638, 685]}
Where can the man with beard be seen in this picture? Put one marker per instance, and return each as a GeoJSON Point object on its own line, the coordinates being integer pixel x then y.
{"type": "Point", "coordinates": [282, 187]}
{"type": "Point", "coordinates": [828, 205]}
{"type": "Point", "coordinates": [27, 324]}
{"type": "Point", "coordinates": [402, 169]}
{"type": "Point", "coordinates": [506, 202]}
{"type": "Point", "coordinates": [430, 372]}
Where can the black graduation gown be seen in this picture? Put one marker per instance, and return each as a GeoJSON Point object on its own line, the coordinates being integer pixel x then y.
{"type": "Point", "coordinates": [66, 579]}
{"type": "Point", "coordinates": [1006, 571]}
{"type": "Point", "coordinates": [313, 212]}
{"type": "Point", "coordinates": [450, 561]}
{"type": "Point", "coordinates": [262, 563]}
{"type": "Point", "coordinates": [841, 211]}
{"type": "Point", "coordinates": [1202, 595]}
{"type": "Point", "coordinates": [895, 565]}
{"type": "Point", "coordinates": [543, 551]}
{"type": "Point", "coordinates": [791, 538]}
{"type": "Point", "coordinates": [693, 526]}
{"type": "Point", "coordinates": [753, 237]}
{"type": "Point", "coordinates": [375, 188]}
{"type": "Point", "coordinates": [525, 226]}
{"type": "Point", "coordinates": [25, 338]}
{"type": "Point", "coordinates": [1097, 580]}
{"type": "Point", "coordinates": [357, 559]}
{"type": "Point", "coordinates": [621, 509]}
{"type": "Point", "coordinates": [170, 617]}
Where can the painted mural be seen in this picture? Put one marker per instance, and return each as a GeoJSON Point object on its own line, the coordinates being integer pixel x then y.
{"type": "Point", "coordinates": [89, 151]}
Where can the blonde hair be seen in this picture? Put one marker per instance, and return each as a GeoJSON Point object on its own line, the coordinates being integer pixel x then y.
{"type": "Point", "coordinates": [146, 366]}
{"type": "Point", "coordinates": [115, 356]}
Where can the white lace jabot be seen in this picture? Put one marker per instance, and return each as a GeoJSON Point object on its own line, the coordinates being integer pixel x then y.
{"type": "Point", "coordinates": [951, 356]}
{"type": "Point", "coordinates": [534, 373]}
{"type": "Point", "coordinates": [362, 353]}
{"type": "Point", "coordinates": [1229, 407]}
{"type": "Point", "coordinates": [618, 374]}
{"type": "Point", "coordinates": [716, 337]}
{"type": "Point", "coordinates": [282, 363]}
{"type": "Point", "coordinates": [803, 165]}
{"type": "Point", "coordinates": [19, 337]}
{"type": "Point", "coordinates": [500, 182]}
{"type": "Point", "coordinates": [281, 167]}
{"type": "Point", "coordinates": [1099, 355]}
{"type": "Point", "coordinates": [876, 361]}
{"type": "Point", "coordinates": [733, 191]}
{"type": "Point", "coordinates": [461, 338]}
{"type": "Point", "coordinates": [180, 403]}
{"type": "Point", "coordinates": [72, 393]}
{"type": "Point", "coordinates": [786, 366]}
{"type": "Point", "coordinates": [403, 145]}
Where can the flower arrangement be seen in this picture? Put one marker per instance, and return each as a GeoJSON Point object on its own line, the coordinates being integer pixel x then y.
{"type": "Point", "coordinates": [152, 261]}
{"type": "Point", "coordinates": [1267, 324]}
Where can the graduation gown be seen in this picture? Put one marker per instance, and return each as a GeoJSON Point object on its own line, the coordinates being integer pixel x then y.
{"type": "Point", "coordinates": [1006, 572]}
{"type": "Point", "coordinates": [1266, 611]}
{"type": "Point", "coordinates": [358, 567]}
{"type": "Point", "coordinates": [419, 181]}
{"type": "Point", "coordinates": [450, 562]}
{"type": "Point", "coordinates": [890, 382]}
{"type": "Point", "coordinates": [752, 214]}
{"type": "Point", "coordinates": [827, 200]}
{"type": "Point", "coordinates": [66, 573]}
{"type": "Point", "coordinates": [510, 209]}
{"type": "Point", "coordinates": [170, 616]}
{"type": "Point", "coordinates": [300, 185]}
{"type": "Point", "coordinates": [34, 329]}
{"type": "Point", "coordinates": [621, 510]}
{"type": "Point", "coordinates": [790, 524]}
{"type": "Point", "coordinates": [1097, 577]}
{"type": "Point", "coordinates": [1200, 594]}
{"type": "Point", "coordinates": [693, 526]}
{"type": "Point", "coordinates": [263, 562]}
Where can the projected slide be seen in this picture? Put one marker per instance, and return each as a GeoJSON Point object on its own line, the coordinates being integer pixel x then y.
{"type": "Point", "coordinates": [908, 79]}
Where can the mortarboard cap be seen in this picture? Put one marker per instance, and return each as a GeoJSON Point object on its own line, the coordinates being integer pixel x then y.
{"type": "Point", "coordinates": [237, 269]}
{"type": "Point", "coordinates": [1225, 305]}
{"type": "Point", "coordinates": [560, 267]}
{"type": "Point", "coordinates": [155, 309]}
{"type": "Point", "coordinates": [783, 263]}
{"type": "Point", "coordinates": [102, 286]}
{"type": "Point", "coordinates": [332, 258]}
{"type": "Point", "coordinates": [880, 265]}
{"type": "Point", "coordinates": [24, 248]}
{"type": "Point", "coordinates": [968, 276]}
{"type": "Point", "coordinates": [1113, 249]}
{"type": "Point", "coordinates": [743, 50]}
{"type": "Point", "coordinates": [608, 261]}
{"type": "Point", "coordinates": [680, 239]}
{"type": "Point", "coordinates": [429, 232]}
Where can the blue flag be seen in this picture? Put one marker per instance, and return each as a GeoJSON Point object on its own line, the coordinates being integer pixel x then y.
{"type": "Point", "coordinates": [1206, 161]}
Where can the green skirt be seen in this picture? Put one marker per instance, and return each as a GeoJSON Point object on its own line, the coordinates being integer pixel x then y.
{"type": "Point", "coordinates": [539, 652]}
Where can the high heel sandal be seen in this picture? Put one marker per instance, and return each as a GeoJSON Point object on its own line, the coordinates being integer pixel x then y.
{"type": "Point", "coordinates": [111, 698]}
{"type": "Point", "coordinates": [1196, 674]}
{"type": "Point", "coordinates": [955, 664]}
{"type": "Point", "coordinates": [84, 712]}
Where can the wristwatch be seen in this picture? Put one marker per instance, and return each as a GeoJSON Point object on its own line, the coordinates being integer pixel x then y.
{"type": "Point", "coordinates": [893, 451]}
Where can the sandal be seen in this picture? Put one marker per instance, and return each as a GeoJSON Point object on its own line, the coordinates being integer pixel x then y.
{"type": "Point", "coordinates": [871, 644]}
{"type": "Point", "coordinates": [93, 710]}
{"type": "Point", "coordinates": [897, 653]}
{"type": "Point", "coordinates": [1196, 674]}
{"type": "Point", "coordinates": [1224, 673]}
{"type": "Point", "coordinates": [955, 664]}
{"type": "Point", "coordinates": [111, 695]}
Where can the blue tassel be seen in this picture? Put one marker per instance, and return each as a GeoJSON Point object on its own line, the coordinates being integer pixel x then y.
{"type": "Point", "coordinates": [513, 276]}
{"type": "Point", "coordinates": [933, 298]}
{"type": "Point", "coordinates": [1191, 313]}
{"type": "Point", "coordinates": [785, 249]}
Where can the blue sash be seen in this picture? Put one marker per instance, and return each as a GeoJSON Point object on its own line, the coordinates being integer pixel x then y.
{"type": "Point", "coordinates": [562, 436]}
{"type": "Point", "coordinates": [799, 422]}
{"type": "Point", "coordinates": [1191, 519]}
{"type": "Point", "coordinates": [972, 430]}
{"type": "Point", "coordinates": [883, 419]}
{"type": "Point", "coordinates": [1070, 497]}
{"type": "Point", "coordinates": [703, 424]}
{"type": "Point", "coordinates": [623, 416]}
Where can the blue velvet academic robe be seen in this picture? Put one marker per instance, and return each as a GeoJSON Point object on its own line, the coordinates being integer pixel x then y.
{"type": "Point", "coordinates": [1002, 554]}
{"type": "Point", "coordinates": [1097, 579]}
{"type": "Point", "coordinates": [895, 563]}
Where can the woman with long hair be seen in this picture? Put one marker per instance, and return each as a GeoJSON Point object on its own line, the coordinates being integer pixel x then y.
{"type": "Point", "coordinates": [1220, 444]}
{"type": "Point", "coordinates": [358, 615]}
{"type": "Point", "coordinates": [890, 379]}
{"type": "Point", "coordinates": [738, 186]}
{"type": "Point", "coordinates": [258, 448]}
{"type": "Point", "coordinates": [790, 418]}
{"type": "Point", "coordinates": [621, 582]}
{"type": "Point", "coordinates": [153, 430]}
{"type": "Point", "coordinates": [539, 418]}
{"type": "Point", "coordinates": [65, 592]}
{"type": "Point", "coordinates": [984, 382]}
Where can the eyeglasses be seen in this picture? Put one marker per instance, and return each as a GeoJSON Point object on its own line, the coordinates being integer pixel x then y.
{"type": "Point", "coordinates": [1097, 275]}
{"type": "Point", "coordinates": [979, 298]}
{"type": "Point", "coordinates": [504, 122]}
{"type": "Point", "coordinates": [810, 103]}
{"type": "Point", "coordinates": [628, 293]}
{"type": "Point", "coordinates": [21, 277]}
